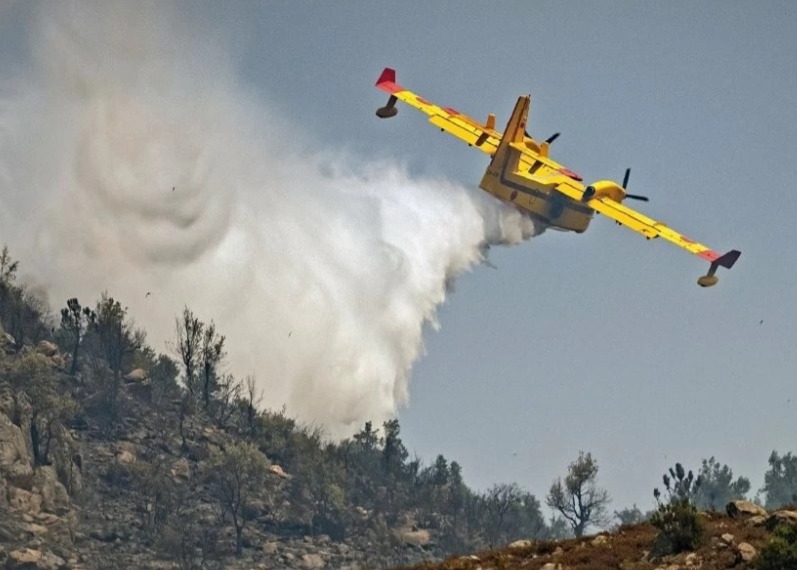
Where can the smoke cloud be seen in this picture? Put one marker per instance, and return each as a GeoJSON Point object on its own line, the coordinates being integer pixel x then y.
{"type": "Point", "coordinates": [132, 161]}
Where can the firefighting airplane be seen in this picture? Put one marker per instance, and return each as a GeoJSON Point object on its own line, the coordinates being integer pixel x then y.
{"type": "Point", "coordinates": [522, 174]}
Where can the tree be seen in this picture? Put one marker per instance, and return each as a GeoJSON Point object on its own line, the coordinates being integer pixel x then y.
{"type": "Point", "coordinates": [236, 477]}
{"type": "Point", "coordinates": [629, 516]}
{"type": "Point", "coordinates": [211, 354]}
{"type": "Point", "coordinates": [22, 313]}
{"type": "Point", "coordinates": [499, 501]}
{"type": "Point", "coordinates": [717, 487]}
{"type": "Point", "coordinates": [189, 330]}
{"type": "Point", "coordinates": [115, 339]}
{"type": "Point", "coordinates": [8, 272]}
{"type": "Point", "coordinates": [112, 343]}
{"type": "Point", "coordinates": [34, 387]}
{"type": "Point", "coordinates": [394, 454]}
{"type": "Point", "coordinates": [580, 501]}
{"type": "Point", "coordinates": [676, 516]}
{"type": "Point", "coordinates": [780, 481]}
{"type": "Point", "coordinates": [252, 399]}
{"type": "Point", "coordinates": [75, 323]}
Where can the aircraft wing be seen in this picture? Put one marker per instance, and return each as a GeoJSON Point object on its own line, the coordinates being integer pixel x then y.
{"type": "Point", "coordinates": [483, 136]}
{"type": "Point", "coordinates": [648, 227]}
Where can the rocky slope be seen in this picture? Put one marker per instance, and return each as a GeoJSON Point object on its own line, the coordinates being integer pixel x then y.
{"type": "Point", "coordinates": [732, 540]}
{"type": "Point", "coordinates": [99, 503]}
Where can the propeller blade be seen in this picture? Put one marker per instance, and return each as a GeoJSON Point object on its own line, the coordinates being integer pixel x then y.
{"type": "Point", "coordinates": [638, 197]}
{"type": "Point", "coordinates": [625, 178]}
{"type": "Point", "coordinates": [552, 138]}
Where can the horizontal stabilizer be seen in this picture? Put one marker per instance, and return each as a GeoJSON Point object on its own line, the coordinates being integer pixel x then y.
{"type": "Point", "coordinates": [726, 260]}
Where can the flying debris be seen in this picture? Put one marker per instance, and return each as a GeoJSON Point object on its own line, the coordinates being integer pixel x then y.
{"type": "Point", "coordinates": [521, 173]}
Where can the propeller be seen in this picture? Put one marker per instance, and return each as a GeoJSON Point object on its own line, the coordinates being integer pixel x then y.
{"type": "Point", "coordinates": [625, 185]}
{"type": "Point", "coordinates": [549, 140]}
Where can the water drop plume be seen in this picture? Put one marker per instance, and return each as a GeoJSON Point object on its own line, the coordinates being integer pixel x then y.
{"type": "Point", "coordinates": [132, 160]}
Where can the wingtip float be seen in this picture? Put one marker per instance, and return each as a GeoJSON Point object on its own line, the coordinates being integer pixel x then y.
{"type": "Point", "coordinates": [521, 173]}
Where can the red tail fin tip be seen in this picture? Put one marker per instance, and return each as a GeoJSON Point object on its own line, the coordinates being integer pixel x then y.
{"type": "Point", "coordinates": [388, 76]}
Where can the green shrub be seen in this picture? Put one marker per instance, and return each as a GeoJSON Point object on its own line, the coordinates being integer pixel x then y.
{"type": "Point", "coordinates": [781, 551]}
{"type": "Point", "coordinates": [676, 516]}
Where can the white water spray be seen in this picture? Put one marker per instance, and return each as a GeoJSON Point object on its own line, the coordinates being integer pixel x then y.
{"type": "Point", "coordinates": [131, 161]}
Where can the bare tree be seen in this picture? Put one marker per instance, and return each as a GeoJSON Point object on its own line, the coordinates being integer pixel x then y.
{"type": "Point", "coordinates": [253, 399]}
{"type": "Point", "coordinates": [578, 498]}
{"type": "Point", "coordinates": [499, 500]}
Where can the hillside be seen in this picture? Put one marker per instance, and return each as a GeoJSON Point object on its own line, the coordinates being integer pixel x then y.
{"type": "Point", "coordinates": [113, 455]}
{"type": "Point", "coordinates": [730, 542]}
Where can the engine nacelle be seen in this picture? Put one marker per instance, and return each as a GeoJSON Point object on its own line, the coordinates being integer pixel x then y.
{"type": "Point", "coordinates": [604, 189]}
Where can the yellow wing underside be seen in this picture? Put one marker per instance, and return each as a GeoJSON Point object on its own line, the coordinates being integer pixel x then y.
{"type": "Point", "coordinates": [484, 137]}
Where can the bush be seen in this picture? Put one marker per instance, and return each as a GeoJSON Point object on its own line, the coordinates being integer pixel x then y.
{"type": "Point", "coordinates": [781, 551]}
{"type": "Point", "coordinates": [676, 517]}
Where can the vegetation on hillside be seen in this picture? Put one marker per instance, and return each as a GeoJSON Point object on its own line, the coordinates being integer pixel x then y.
{"type": "Point", "coordinates": [89, 374]}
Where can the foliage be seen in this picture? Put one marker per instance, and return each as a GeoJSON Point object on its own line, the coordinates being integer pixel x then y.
{"type": "Point", "coordinates": [22, 314]}
{"type": "Point", "coordinates": [211, 355]}
{"type": "Point", "coordinates": [75, 323]}
{"type": "Point", "coordinates": [780, 481]}
{"type": "Point", "coordinates": [676, 516]}
{"type": "Point", "coordinates": [111, 344]}
{"type": "Point", "coordinates": [189, 330]}
{"type": "Point", "coordinates": [630, 516]}
{"type": "Point", "coordinates": [236, 476]}
{"type": "Point", "coordinates": [35, 392]}
{"type": "Point", "coordinates": [579, 500]}
{"type": "Point", "coordinates": [366, 488]}
{"type": "Point", "coordinates": [781, 551]}
{"type": "Point", "coordinates": [717, 487]}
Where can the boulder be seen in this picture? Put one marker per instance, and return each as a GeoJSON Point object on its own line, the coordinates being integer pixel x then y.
{"type": "Point", "coordinates": [600, 540]}
{"type": "Point", "coordinates": [743, 509]}
{"type": "Point", "coordinates": [136, 375]}
{"type": "Point", "coordinates": [29, 559]}
{"type": "Point", "coordinates": [54, 496]}
{"type": "Point", "coordinates": [727, 538]}
{"type": "Point", "coordinates": [47, 348]}
{"type": "Point", "coordinates": [15, 460]}
{"type": "Point", "coordinates": [746, 552]}
{"type": "Point", "coordinates": [520, 544]}
{"type": "Point", "coordinates": [278, 471]}
{"type": "Point", "coordinates": [125, 456]}
{"type": "Point", "coordinates": [757, 520]}
{"type": "Point", "coordinates": [780, 517]}
{"type": "Point", "coordinates": [125, 452]}
{"type": "Point", "coordinates": [24, 501]}
{"type": "Point", "coordinates": [8, 343]}
{"type": "Point", "coordinates": [181, 469]}
{"type": "Point", "coordinates": [415, 537]}
{"type": "Point", "coordinates": [312, 561]}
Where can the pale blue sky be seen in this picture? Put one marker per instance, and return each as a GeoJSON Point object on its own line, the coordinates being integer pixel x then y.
{"type": "Point", "coordinates": [601, 342]}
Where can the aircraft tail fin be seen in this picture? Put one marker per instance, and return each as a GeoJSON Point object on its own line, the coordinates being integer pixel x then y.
{"type": "Point", "coordinates": [516, 127]}
{"type": "Point", "coordinates": [726, 260]}
{"type": "Point", "coordinates": [514, 132]}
